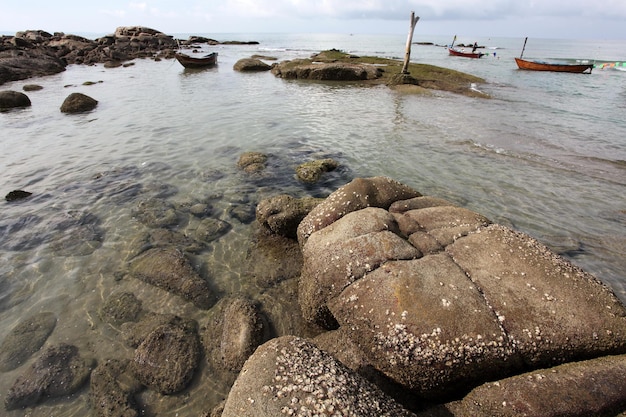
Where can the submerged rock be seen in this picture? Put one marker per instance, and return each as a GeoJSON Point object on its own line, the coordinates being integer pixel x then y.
{"type": "Point", "coordinates": [166, 360]}
{"type": "Point", "coordinates": [170, 270]}
{"type": "Point", "coordinates": [311, 172]}
{"type": "Point", "coordinates": [112, 388]}
{"type": "Point", "coordinates": [25, 339]}
{"type": "Point", "coordinates": [120, 308]}
{"type": "Point", "coordinates": [282, 214]}
{"type": "Point", "coordinates": [59, 371]}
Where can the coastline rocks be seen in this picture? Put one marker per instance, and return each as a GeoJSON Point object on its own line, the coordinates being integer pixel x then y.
{"type": "Point", "coordinates": [26, 338]}
{"type": "Point", "coordinates": [167, 359]}
{"type": "Point", "coordinates": [19, 62]}
{"type": "Point", "coordinates": [282, 214]}
{"type": "Point", "coordinates": [170, 270]}
{"type": "Point", "coordinates": [13, 99]}
{"type": "Point", "coordinates": [251, 65]}
{"type": "Point", "coordinates": [78, 103]}
{"type": "Point", "coordinates": [439, 299]}
{"type": "Point", "coordinates": [291, 376]}
{"type": "Point", "coordinates": [120, 308]}
{"type": "Point", "coordinates": [334, 71]}
{"type": "Point", "coordinates": [60, 370]}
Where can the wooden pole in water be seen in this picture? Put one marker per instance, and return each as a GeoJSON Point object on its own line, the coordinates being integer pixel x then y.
{"type": "Point", "coordinates": [407, 54]}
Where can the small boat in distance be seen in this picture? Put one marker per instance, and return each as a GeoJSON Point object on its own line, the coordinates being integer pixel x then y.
{"type": "Point", "coordinates": [456, 52]}
{"type": "Point", "coordinates": [554, 67]}
{"type": "Point", "coordinates": [548, 66]}
{"type": "Point", "coordinates": [196, 62]}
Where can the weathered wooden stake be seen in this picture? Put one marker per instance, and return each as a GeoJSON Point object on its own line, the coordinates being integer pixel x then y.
{"type": "Point", "coordinates": [407, 54]}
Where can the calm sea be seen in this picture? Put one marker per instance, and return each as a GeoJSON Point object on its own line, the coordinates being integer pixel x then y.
{"type": "Point", "coordinates": [546, 155]}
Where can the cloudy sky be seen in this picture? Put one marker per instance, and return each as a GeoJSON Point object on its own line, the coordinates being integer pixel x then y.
{"type": "Point", "coordinates": [575, 19]}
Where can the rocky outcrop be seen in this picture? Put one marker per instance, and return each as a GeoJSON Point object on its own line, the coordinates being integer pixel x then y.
{"type": "Point", "coordinates": [78, 103]}
{"type": "Point", "coordinates": [59, 371]}
{"type": "Point", "coordinates": [326, 71]}
{"type": "Point", "coordinates": [434, 302]}
{"type": "Point", "coordinates": [13, 99]}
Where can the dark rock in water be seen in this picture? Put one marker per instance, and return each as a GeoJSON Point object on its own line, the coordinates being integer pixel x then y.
{"type": "Point", "coordinates": [17, 195]}
{"type": "Point", "coordinates": [252, 162]}
{"type": "Point", "coordinates": [121, 308]}
{"type": "Point", "coordinates": [211, 229]}
{"type": "Point", "coordinates": [282, 214]}
{"type": "Point", "coordinates": [312, 171]}
{"type": "Point", "coordinates": [111, 390]}
{"type": "Point", "coordinates": [273, 258]}
{"type": "Point", "coordinates": [336, 71]}
{"type": "Point", "coordinates": [166, 360]}
{"type": "Point", "coordinates": [156, 213]}
{"type": "Point", "coordinates": [242, 212]}
{"type": "Point", "coordinates": [76, 233]}
{"type": "Point", "coordinates": [251, 65]}
{"type": "Point", "coordinates": [169, 269]}
{"type": "Point", "coordinates": [27, 61]}
{"type": "Point", "coordinates": [25, 339]}
{"type": "Point", "coordinates": [237, 329]}
{"type": "Point", "coordinates": [59, 371]}
{"type": "Point", "coordinates": [32, 87]}
{"type": "Point", "coordinates": [13, 99]}
{"type": "Point", "coordinates": [78, 103]}
{"type": "Point", "coordinates": [134, 333]}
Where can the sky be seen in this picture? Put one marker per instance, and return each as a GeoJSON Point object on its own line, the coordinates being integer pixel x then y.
{"type": "Point", "coordinates": [574, 19]}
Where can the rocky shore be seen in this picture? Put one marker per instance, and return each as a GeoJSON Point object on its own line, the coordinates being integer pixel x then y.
{"type": "Point", "coordinates": [376, 300]}
{"type": "Point", "coordinates": [35, 53]}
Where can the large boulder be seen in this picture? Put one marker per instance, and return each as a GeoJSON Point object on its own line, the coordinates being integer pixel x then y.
{"type": "Point", "coordinates": [291, 376]}
{"type": "Point", "coordinates": [440, 300]}
{"type": "Point", "coordinates": [20, 64]}
{"type": "Point", "coordinates": [13, 99]}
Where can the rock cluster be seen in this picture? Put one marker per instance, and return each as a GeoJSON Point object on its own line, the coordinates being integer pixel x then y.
{"type": "Point", "coordinates": [432, 302]}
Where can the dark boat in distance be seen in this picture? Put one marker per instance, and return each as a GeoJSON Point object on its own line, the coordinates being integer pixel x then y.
{"type": "Point", "coordinates": [197, 62]}
{"type": "Point", "coordinates": [548, 66]}
{"type": "Point", "coordinates": [456, 52]}
{"type": "Point", "coordinates": [554, 67]}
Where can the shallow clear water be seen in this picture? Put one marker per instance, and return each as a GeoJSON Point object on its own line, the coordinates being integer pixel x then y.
{"type": "Point", "coordinates": [546, 155]}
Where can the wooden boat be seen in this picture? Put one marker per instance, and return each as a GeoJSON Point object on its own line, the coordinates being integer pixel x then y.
{"type": "Point", "coordinates": [554, 67]}
{"type": "Point", "coordinates": [456, 52]}
{"type": "Point", "coordinates": [545, 66]}
{"type": "Point", "coordinates": [197, 62]}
